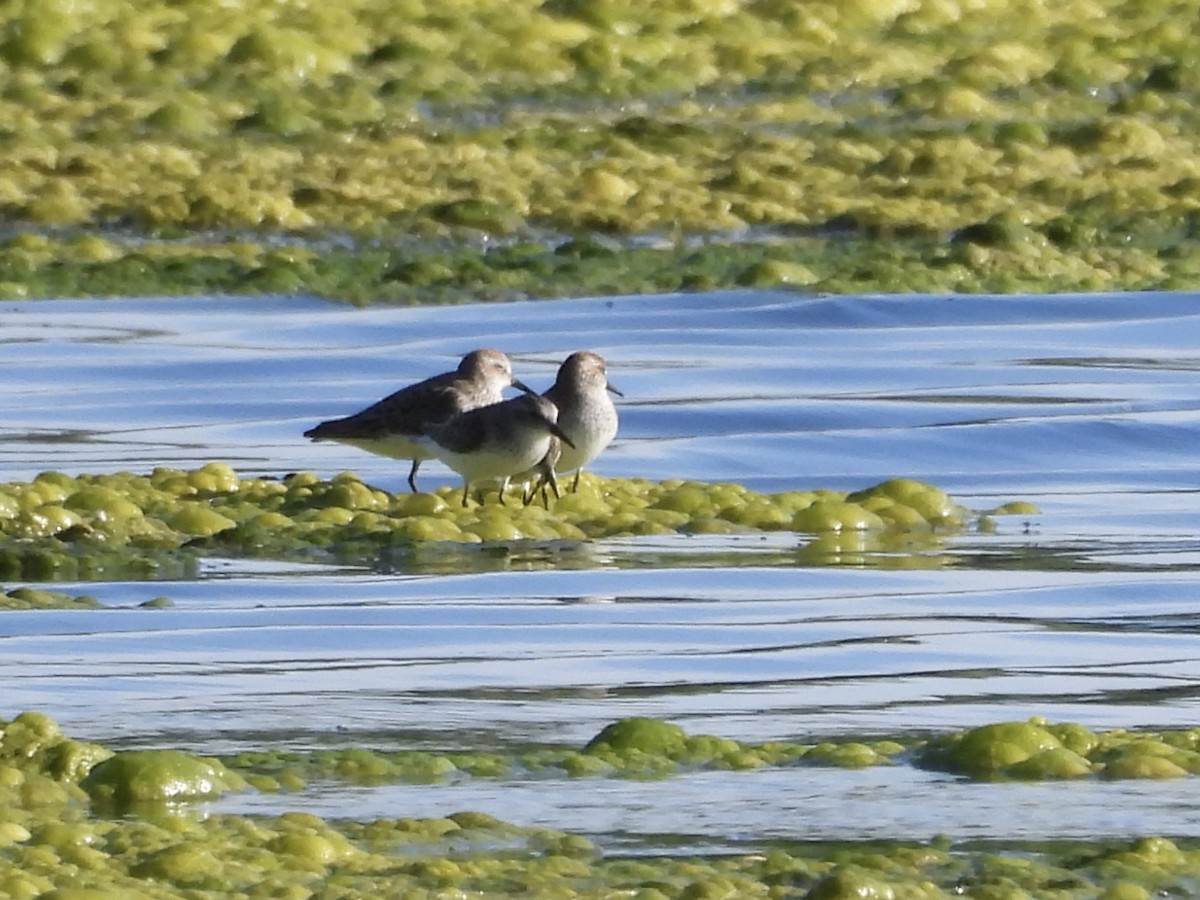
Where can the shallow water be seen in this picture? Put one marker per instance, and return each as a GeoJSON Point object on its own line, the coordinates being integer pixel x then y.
{"type": "Point", "coordinates": [1087, 406]}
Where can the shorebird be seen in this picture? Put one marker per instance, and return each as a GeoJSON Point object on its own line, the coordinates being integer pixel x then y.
{"type": "Point", "coordinates": [498, 441]}
{"type": "Point", "coordinates": [586, 414]}
{"type": "Point", "coordinates": [396, 426]}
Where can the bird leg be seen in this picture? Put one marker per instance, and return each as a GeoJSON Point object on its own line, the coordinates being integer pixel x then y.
{"type": "Point", "coordinates": [547, 477]}
{"type": "Point", "coordinates": [550, 478]}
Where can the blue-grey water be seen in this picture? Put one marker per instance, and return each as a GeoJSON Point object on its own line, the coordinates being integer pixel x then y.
{"type": "Point", "coordinates": [1088, 406]}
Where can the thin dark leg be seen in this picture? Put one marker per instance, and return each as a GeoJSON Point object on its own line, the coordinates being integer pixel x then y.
{"type": "Point", "coordinates": [412, 475]}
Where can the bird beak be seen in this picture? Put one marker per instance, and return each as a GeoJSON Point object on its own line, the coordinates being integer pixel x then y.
{"type": "Point", "coordinates": [609, 387]}
{"type": "Point", "coordinates": [558, 433]}
{"type": "Point", "coordinates": [522, 386]}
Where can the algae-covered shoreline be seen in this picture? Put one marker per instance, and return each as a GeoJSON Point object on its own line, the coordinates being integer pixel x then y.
{"type": "Point", "coordinates": [418, 153]}
{"type": "Point", "coordinates": [83, 820]}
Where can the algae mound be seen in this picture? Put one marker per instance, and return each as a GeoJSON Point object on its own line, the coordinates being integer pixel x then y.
{"type": "Point", "coordinates": [135, 777]}
{"type": "Point", "coordinates": [33, 742]}
{"type": "Point", "coordinates": [128, 525]}
{"type": "Point", "coordinates": [1040, 750]}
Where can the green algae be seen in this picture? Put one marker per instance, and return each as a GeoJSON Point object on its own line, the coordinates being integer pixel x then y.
{"type": "Point", "coordinates": [1039, 750]}
{"type": "Point", "coordinates": [300, 856]}
{"type": "Point", "coordinates": [59, 840]}
{"type": "Point", "coordinates": [427, 273]}
{"type": "Point", "coordinates": [651, 736]}
{"type": "Point", "coordinates": [128, 525]}
{"type": "Point", "coordinates": [630, 748]}
{"type": "Point", "coordinates": [35, 598]}
{"type": "Point", "coordinates": [134, 777]}
{"type": "Point", "coordinates": [650, 748]}
{"type": "Point", "coordinates": [32, 741]}
{"type": "Point", "coordinates": [361, 153]}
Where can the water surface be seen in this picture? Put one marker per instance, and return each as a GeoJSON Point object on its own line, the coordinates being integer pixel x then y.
{"type": "Point", "coordinates": [1085, 405]}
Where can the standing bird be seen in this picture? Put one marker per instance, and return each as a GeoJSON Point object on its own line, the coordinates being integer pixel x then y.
{"type": "Point", "coordinates": [586, 414]}
{"type": "Point", "coordinates": [497, 442]}
{"type": "Point", "coordinates": [397, 425]}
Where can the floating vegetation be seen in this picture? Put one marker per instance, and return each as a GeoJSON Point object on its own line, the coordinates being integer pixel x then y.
{"type": "Point", "coordinates": [90, 526]}
{"type": "Point", "coordinates": [36, 598]}
{"type": "Point", "coordinates": [544, 149]}
{"type": "Point", "coordinates": [58, 834]}
{"type": "Point", "coordinates": [135, 777]}
{"type": "Point", "coordinates": [639, 748]}
{"type": "Point", "coordinates": [1038, 750]}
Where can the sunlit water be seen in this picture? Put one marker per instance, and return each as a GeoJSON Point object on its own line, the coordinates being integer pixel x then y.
{"type": "Point", "coordinates": [1087, 406]}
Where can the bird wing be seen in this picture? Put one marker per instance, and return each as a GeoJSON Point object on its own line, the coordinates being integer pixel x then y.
{"type": "Point", "coordinates": [410, 410]}
{"type": "Point", "coordinates": [463, 433]}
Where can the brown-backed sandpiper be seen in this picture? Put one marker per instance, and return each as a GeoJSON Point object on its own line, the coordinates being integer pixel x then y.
{"type": "Point", "coordinates": [396, 426]}
{"type": "Point", "coordinates": [498, 441]}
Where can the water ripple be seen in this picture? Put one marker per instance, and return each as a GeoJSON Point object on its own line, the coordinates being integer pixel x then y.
{"type": "Point", "coordinates": [1086, 405]}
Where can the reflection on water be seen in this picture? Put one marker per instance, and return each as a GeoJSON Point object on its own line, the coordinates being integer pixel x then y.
{"type": "Point", "coordinates": [1087, 406]}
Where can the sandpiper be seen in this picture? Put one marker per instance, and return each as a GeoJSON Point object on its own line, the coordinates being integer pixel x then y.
{"type": "Point", "coordinates": [586, 414]}
{"type": "Point", "coordinates": [498, 441]}
{"type": "Point", "coordinates": [397, 425]}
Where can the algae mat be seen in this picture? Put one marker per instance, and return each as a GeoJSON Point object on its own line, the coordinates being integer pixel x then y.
{"type": "Point", "coordinates": [525, 149]}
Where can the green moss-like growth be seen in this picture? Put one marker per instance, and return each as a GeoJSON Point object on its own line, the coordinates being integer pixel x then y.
{"type": "Point", "coordinates": [55, 843]}
{"type": "Point", "coordinates": [991, 749]}
{"type": "Point", "coordinates": [849, 882]}
{"type": "Point", "coordinates": [33, 741]}
{"type": "Point", "coordinates": [1149, 756]}
{"type": "Point", "coordinates": [126, 524]}
{"type": "Point", "coordinates": [650, 736]}
{"type": "Point", "coordinates": [641, 745]}
{"type": "Point", "coordinates": [1038, 750]}
{"type": "Point", "coordinates": [136, 777]}
{"type": "Point", "coordinates": [628, 748]}
{"type": "Point", "coordinates": [875, 147]}
{"type": "Point", "coordinates": [35, 598]}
